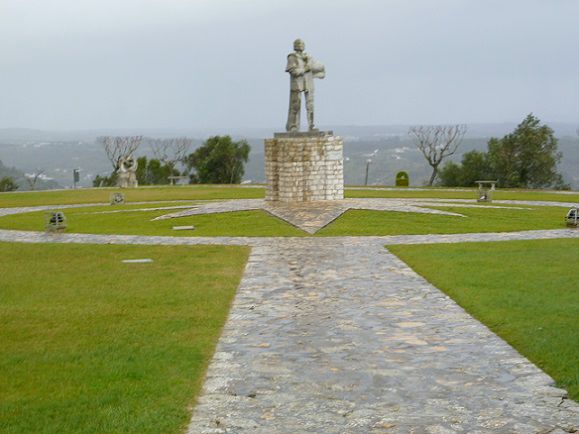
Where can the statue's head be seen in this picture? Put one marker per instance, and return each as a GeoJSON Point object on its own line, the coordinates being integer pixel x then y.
{"type": "Point", "coordinates": [299, 45]}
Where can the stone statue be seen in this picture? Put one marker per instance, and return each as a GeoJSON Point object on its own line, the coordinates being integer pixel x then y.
{"type": "Point", "coordinates": [302, 68]}
{"type": "Point", "coordinates": [127, 172]}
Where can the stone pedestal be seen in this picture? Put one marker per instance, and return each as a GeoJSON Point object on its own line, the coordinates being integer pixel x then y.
{"type": "Point", "coordinates": [302, 167]}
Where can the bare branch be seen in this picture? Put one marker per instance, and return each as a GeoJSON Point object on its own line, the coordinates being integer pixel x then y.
{"type": "Point", "coordinates": [32, 178]}
{"type": "Point", "coordinates": [171, 151]}
{"type": "Point", "coordinates": [437, 142]}
{"type": "Point", "coordinates": [119, 146]}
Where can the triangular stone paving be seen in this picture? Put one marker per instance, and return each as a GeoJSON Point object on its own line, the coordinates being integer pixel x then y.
{"type": "Point", "coordinates": [312, 216]}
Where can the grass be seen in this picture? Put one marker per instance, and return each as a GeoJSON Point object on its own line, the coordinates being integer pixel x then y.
{"type": "Point", "coordinates": [465, 194]}
{"type": "Point", "coordinates": [525, 291]}
{"type": "Point", "coordinates": [92, 345]}
{"type": "Point", "coordinates": [205, 192]}
{"type": "Point", "coordinates": [100, 195]}
{"type": "Point", "coordinates": [483, 219]}
{"type": "Point", "coordinates": [91, 220]}
{"type": "Point", "coordinates": [258, 223]}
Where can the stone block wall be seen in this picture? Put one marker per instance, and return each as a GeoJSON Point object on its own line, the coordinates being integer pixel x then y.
{"type": "Point", "coordinates": [304, 167]}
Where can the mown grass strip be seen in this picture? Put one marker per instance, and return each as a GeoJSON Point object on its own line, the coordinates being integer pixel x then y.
{"type": "Point", "coordinates": [499, 194]}
{"type": "Point", "coordinates": [480, 219]}
{"type": "Point", "coordinates": [89, 344]}
{"type": "Point", "coordinates": [525, 291]}
{"type": "Point", "coordinates": [234, 224]}
{"type": "Point", "coordinates": [207, 192]}
{"type": "Point", "coordinates": [102, 195]}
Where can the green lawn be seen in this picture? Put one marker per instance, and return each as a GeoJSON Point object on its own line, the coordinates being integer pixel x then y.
{"type": "Point", "coordinates": [525, 291]}
{"type": "Point", "coordinates": [260, 224]}
{"type": "Point", "coordinates": [91, 220]}
{"type": "Point", "coordinates": [483, 219]}
{"type": "Point", "coordinates": [204, 192]}
{"type": "Point", "coordinates": [100, 195]}
{"type": "Point", "coordinates": [466, 194]}
{"type": "Point", "coordinates": [90, 345]}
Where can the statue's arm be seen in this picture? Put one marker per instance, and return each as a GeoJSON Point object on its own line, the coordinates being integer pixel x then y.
{"type": "Point", "coordinates": [293, 66]}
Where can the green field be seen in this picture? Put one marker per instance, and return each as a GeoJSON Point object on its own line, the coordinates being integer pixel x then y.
{"type": "Point", "coordinates": [481, 219]}
{"type": "Point", "coordinates": [93, 221]}
{"type": "Point", "coordinates": [102, 195]}
{"type": "Point", "coordinates": [90, 344]}
{"type": "Point", "coordinates": [207, 192]}
{"type": "Point", "coordinates": [258, 223]}
{"type": "Point", "coordinates": [525, 291]}
{"type": "Point", "coordinates": [466, 194]}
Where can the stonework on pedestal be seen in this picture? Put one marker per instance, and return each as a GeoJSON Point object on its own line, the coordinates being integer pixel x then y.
{"type": "Point", "coordinates": [303, 167]}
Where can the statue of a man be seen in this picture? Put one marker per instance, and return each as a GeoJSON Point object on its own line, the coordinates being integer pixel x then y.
{"type": "Point", "coordinates": [302, 68]}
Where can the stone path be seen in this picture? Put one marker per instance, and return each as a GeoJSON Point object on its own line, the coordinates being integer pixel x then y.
{"type": "Point", "coordinates": [336, 335]}
{"type": "Point", "coordinates": [342, 337]}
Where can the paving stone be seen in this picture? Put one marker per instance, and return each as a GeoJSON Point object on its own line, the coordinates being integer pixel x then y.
{"type": "Point", "coordinates": [354, 335]}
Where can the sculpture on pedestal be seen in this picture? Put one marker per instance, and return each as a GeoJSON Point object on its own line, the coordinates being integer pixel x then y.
{"type": "Point", "coordinates": [127, 172]}
{"type": "Point", "coordinates": [303, 166]}
{"type": "Point", "coordinates": [302, 68]}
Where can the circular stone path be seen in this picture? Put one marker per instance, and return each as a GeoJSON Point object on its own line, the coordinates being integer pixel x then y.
{"type": "Point", "coordinates": [337, 335]}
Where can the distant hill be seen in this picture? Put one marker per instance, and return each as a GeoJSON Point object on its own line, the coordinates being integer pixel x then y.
{"type": "Point", "coordinates": [20, 178]}
{"type": "Point", "coordinates": [388, 146]}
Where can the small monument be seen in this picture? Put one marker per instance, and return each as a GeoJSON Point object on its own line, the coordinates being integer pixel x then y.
{"type": "Point", "coordinates": [55, 221]}
{"type": "Point", "coordinates": [127, 172]}
{"type": "Point", "coordinates": [572, 217]}
{"type": "Point", "coordinates": [303, 166]}
{"type": "Point", "coordinates": [485, 190]}
{"type": "Point", "coordinates": [117, 199]}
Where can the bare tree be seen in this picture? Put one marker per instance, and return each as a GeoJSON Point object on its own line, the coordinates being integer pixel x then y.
{"type": "Point", "coordinates": [32, 178]}
{"type": "Point", "coordinates": [436, 142]}
{"type": "Point", "coordinates": [171, 151]}
{"type": "Point", "coordinates": [119, 146]}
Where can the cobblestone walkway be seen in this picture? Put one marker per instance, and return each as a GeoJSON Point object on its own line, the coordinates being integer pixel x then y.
{"type": "Point", "coordinates": [342, 337]}
{"type": "Point", "coordinates": [336, 335]}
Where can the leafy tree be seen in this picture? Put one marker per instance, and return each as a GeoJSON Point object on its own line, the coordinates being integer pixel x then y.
{"type": "Point", "coordinates": [8, 184]}
{"type": "Point", "coordinates": [450, 175]}
{"type": "Point", "coordinates": [105, 181]}
{"type": "Point", "coordinates": [219, 160]}
{"type": "Point", "coordinates": [153, 172]}
{"type": "Point", "coordinates": [527, 157]}
{"type": "Point", "coordinates": [475, 166]}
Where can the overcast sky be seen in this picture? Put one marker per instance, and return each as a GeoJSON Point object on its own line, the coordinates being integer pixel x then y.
{"type": "Point", "coordinates": [80, 64]}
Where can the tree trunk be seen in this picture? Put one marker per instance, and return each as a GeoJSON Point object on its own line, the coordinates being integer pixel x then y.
{"type": "Point", "coordinates": [433, 176]}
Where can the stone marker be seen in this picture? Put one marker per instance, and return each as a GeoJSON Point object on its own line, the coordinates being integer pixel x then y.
{"type": "Point", "coordinates": [485, 190]}
{"type": "Point", "coordinates": [55, 221]}
{"type": "Point", "coordinates": [572, 218]}
{"type": "Point", "coordinates": [137, 261]}
{"type": "Point", "coordinates": [117, 198]}
{"type": "Point", "coordinates": [183, 228]}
